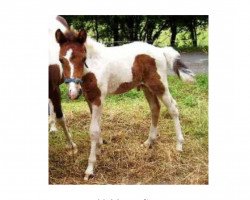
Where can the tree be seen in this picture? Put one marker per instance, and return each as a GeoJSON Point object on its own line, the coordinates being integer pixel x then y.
{"type": "Point", "coordinates": [114, 29]}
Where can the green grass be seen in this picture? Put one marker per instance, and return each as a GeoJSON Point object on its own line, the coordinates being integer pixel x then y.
{"type": "Point", "coordinates": [125, 125]}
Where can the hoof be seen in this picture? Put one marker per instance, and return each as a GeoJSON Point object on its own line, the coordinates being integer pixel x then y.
{"type": "Point", "coordinates": [147, 144]}
{"type": "Point", "coordinates": [53, 129]}
{"type": "Point", "coordinates": [72, 149]}
{"type": "Point", "coordinates": [104, 142]}
{"type": "Point", "coordinates": [88, 176]}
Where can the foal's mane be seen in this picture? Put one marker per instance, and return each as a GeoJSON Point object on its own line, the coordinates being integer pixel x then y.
{"type": "Point", "coordinates": [71, 35]}
{"type": "Point", "coordinates": [94, 48]}
{"type": "Point", "coordinates": [92, 42]}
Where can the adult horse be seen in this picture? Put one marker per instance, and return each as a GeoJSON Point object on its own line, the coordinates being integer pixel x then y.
{"type": "Point", "coordinates": [115, 70]}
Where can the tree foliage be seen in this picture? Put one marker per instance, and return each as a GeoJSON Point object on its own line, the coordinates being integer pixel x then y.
{"type": "Point", "coordinates": [119, 29]}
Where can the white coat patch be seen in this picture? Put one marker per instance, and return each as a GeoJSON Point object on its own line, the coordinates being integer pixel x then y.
{"type": "Point", "coordinates": [68, 56]}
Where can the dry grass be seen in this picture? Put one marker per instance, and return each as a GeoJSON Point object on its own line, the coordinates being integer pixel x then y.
{"type": "Point", "coordinates": [125, 125]}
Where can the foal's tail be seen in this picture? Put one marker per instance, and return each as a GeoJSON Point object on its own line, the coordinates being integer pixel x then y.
{"type": "Point", "coordinates": [174, 61]}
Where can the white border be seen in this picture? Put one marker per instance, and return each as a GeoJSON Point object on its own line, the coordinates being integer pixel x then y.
{"type": "Point", "coordinates": [23, 107]}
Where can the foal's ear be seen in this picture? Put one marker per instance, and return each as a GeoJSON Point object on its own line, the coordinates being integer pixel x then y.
{"type": "Point", "coordinates": [82, 35]}
{"type": "Point", "coordinates": [60, 37]}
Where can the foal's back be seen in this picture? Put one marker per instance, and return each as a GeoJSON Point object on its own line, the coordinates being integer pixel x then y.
{"type": "Point", "coordinates": [131, 50]}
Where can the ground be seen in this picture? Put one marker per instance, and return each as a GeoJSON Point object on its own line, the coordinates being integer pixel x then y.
{"type": "Point", "coordinates": [125, 126]}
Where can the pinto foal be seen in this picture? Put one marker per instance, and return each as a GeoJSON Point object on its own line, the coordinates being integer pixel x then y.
{"type": "Point", "coordinates": [115, 70]}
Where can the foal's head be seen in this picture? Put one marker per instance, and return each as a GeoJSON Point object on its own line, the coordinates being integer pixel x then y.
{"type": "Point", "coordinates": [72, 55]}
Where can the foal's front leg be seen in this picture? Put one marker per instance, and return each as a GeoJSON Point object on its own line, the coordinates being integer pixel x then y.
{"type": "Point", "coordinates": [95, 132]}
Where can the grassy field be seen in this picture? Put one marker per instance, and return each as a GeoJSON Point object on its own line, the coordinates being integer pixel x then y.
{"type": "Point", "coordinates": [125, 125]}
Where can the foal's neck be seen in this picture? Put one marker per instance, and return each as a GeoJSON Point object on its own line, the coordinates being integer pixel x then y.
{"type": "Point", "coordinates": [94, 48]}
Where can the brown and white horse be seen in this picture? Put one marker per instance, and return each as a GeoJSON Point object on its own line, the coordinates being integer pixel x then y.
{"type": "Point", "coordinates": [115, 70]}
{"type": "Point", "coordinates": [55, 80]}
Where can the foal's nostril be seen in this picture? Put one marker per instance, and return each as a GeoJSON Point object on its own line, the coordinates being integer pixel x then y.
{"type": "Point", "coordinates": [80, 91]}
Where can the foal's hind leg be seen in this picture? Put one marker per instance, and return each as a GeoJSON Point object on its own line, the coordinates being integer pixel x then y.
{"type": "Point", "coordinates": [155, 111]}
{"type": "Point", "coordinates": [168, 101]}
{"type": "Point", "coordinates": [56, 100]}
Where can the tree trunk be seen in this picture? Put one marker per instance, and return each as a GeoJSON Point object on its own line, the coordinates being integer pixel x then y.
{"type": "Point", "coordinates": [149, 30]}
{"type": "Point", "coordinates": [116, 31]}
{"type": "Point", "coordinates": [96, 28]}
{"type": "Point", "coordinates": [130, 25]}
{"type": "Point", "coordinates": [192, 29]}
{"type": "Point", "coordinates": [137, 28]}
{"type": "Point", "coordinates": [194, 37]}
{"type": "Point", "coordinates": [173, 33]}
{"type": "Point", "coordinates": [157, 34]}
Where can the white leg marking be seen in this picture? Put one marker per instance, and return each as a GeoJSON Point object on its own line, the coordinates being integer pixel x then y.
{"type": "Point", "coordinates": [71, 146]}
{"type": "Point", "coordinates": [95, 132]}
{"type": "Point", "coordinates": [52, 117]}
{"type": "Point", "coordinates": [168, 100]}
{"type": "Point", "coordinates": [68, 56]}
{"type": "Point", "coordinates": [52, 124]}
{"type": "Point", "coordinates": [152, 136]}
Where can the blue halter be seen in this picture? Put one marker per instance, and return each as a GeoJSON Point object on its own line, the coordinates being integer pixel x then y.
{"type": "Point", "coordinates": [74, 80]}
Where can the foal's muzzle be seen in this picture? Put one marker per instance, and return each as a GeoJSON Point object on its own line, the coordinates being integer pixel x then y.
{"type": "Point", "coordinates": [75, 89]}
{"type": "Point", "coordinates": [75, 96]}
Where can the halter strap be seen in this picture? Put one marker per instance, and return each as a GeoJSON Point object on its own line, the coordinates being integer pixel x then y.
{"type": "Point", "coordinates": [74, 80]}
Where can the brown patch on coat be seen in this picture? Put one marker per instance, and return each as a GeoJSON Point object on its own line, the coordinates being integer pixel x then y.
{"type": "Point", "coordinates": [55, 79]}
{"type": "Point", "coordinates": [144, 71]}
{"type": "Point", "coordinates": [90, 89]}
{"type": "Point", "coordinates": [124, 87]}
{"type": "Point", "coordinates": [154, 104]}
